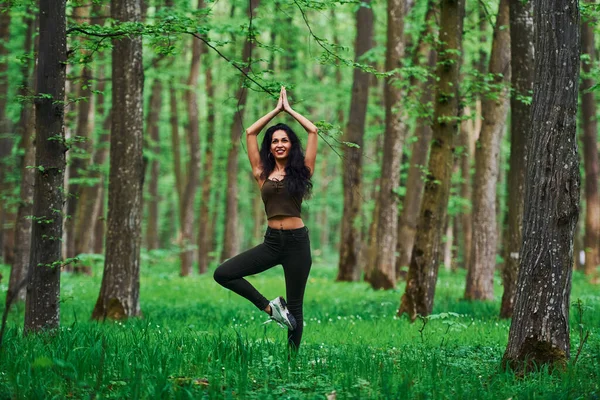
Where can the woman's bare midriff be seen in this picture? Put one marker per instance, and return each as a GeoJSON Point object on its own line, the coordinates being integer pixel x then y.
{"type": "Point", "coordinates": [285, 222]}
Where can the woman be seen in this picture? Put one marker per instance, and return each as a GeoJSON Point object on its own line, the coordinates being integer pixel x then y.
{"type": "Point", "coordinates": [283, 174]}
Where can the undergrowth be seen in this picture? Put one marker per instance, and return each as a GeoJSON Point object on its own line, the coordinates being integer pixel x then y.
{"type": "Point", "coordinates": [197, 340]}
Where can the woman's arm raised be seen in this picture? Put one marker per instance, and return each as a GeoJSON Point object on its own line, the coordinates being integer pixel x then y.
{"type": "Point", "coordinates": [252, 142]}
{"type": "Point", "coordinates": [310, 157]}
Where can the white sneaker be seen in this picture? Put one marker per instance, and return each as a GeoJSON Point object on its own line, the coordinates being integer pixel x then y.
{"type": "Point", "coordinates": [281, 314]}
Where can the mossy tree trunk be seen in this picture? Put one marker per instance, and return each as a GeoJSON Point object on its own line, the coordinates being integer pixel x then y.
{"type": "Point", "coordinates": [480, 276]}
{"type": "Point", "coordinates": [522, 53]}
{"type": "Point", "coordinates": [119, 293]}
{"type": "Point", "coordinates": [428, 249]}
{"type": "Point", "coordinates": [348, 267]}
{"type": "Point", "coordinates": [539, 333]}
{"type": "Point", "coordinates": [42, 309]}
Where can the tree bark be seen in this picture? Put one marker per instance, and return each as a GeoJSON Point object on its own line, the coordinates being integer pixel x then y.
{"type": "Point", "coordinates": [428, 248]}
{"type": "Point", "coordinates": [464, 220]}
{"type": "Point", "coordinates": [522, 52]}
{"type": "Point", "coordinates": [26, 128]}
{"type": "Point", "coordinates": [383, 257]}
{"type": "Point", "coordinates": [154, 111]}
{"type": "Point", "coordinates": [231, 235]}
{"type": "Point", "coordinates": [193, 170]}
{"type": "Point", "coordinates": [480, 276]}
{"type": "Point", "coordinates": [407, 222]}
{"type": "Point", "coordinates": [348, 267]}
{"type": "Point", "coordinates": [539, 333]}
{"type": "Point", "coordinates": [119, 293]}
{"type": "Point", "coordinates": [205, 227]}
{"type": "Point", "coordinates": [589, 139]}
{"type": "Point", "coordinates": [42, 309]}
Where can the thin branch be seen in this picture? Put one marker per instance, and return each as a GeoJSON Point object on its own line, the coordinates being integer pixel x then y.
{"type": "Point", "coordinates": [102, 35]}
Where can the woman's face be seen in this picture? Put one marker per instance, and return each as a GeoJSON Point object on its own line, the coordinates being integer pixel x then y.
{"type": "Point", "coordinates": [280, 145]}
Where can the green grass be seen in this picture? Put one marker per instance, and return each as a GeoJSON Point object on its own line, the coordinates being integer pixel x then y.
{"type": "Point", "coordinates": [197, 340]}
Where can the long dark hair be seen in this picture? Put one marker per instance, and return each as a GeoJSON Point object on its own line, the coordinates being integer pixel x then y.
{"type": "Point", "coordinates": [297, 175]}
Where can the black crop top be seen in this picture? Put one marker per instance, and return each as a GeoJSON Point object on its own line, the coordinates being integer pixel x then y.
{"type": "Point", "coordinates": [278, 201]}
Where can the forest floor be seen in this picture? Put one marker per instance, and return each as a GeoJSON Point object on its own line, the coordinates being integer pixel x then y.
{"type": "Point", "coordinates": [198, 340]}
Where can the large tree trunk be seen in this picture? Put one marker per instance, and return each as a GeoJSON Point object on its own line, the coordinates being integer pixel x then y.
{"type": "Point", "coordinates": [383, 249]}
{"type": "Point", "coordinates": [428, 249]}
{"type": "Point", "coordinates": [539, 333]}
{"type": "Point", "coordinates": [26, 127]}
{"type": "Point", "coordinates": [79, 153]}
{"type": "Point", "coordinates": [407, 221]}
{"type": "Point", "coordinates": [42, 310]}
{"type": "Point", "coordinates": [193, 170]}
{"type": "Point", "coordinates": [480, 277]}
{"type": "Point", "coordinates": [205, 226]}
{"type": "Point", "coordinates": [231, 239]}
{"type": "Point", "coordinates": [119, 293]}
{"type": "Point", "coordinates": [522, 53]}
{"type": "Point", "coordinates": [154, 111]}
{"type": "Point", "coordinates": [349, 268]}
{"type": "Point", "coordinates": [590, 156]}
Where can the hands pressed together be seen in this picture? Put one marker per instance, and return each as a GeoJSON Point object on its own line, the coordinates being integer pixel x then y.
{"type": "Point", "coordinates": [283, 104]}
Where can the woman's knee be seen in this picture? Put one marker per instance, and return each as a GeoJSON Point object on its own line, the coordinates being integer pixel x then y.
{"type": "Point", "coordinates": [220, 276]}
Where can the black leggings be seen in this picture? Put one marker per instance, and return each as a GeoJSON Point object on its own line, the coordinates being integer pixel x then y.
{"type": "Point", "coordinates": [291, 249]}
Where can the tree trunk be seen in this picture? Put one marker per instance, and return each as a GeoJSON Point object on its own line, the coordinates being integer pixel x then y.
{"type": "Point", "coordinates": [231, 239]}
{"type": "Point", "coordinates": [590, 156]}
{"type": "Point", "coordinates": [383, 257]}
{"type": "Point", "coordinates": [193, 170]}
{"type": "Point", "coordinates": [42, 310]}
{"type": "Point", "coordinates": [79, 153]}
{"type": "Point", "coordinates": [119, 293]}
{"type": "Point", "coordinates": [26, 128]}
{"type": "Point", "coordinates": [480, 276]}
{"type": "Point", "coordinates": [428, 248]}
{"type": "Point", "coordinates": [154, 112]}
{"type": "Point", "coordinates": [348, 268]}
{"type": "Point", "coordinates": [407, 222]}
{"type": "Point", "coordinates": [539, 333]}
{"type": "Point", "coordinates": [522, 53]}
{"type": "Point", "coordinates": [205, 226]}
{"type": "Point", "coordinates": [448, 243]}
{"type": "Point", "coordinates": [175, 142]}
{"type": "Point", "coordinates": [464, 220]}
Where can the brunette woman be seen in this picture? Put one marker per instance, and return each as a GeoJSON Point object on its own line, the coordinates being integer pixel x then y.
{"type": "Point", "coordinates": [283, 174]}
